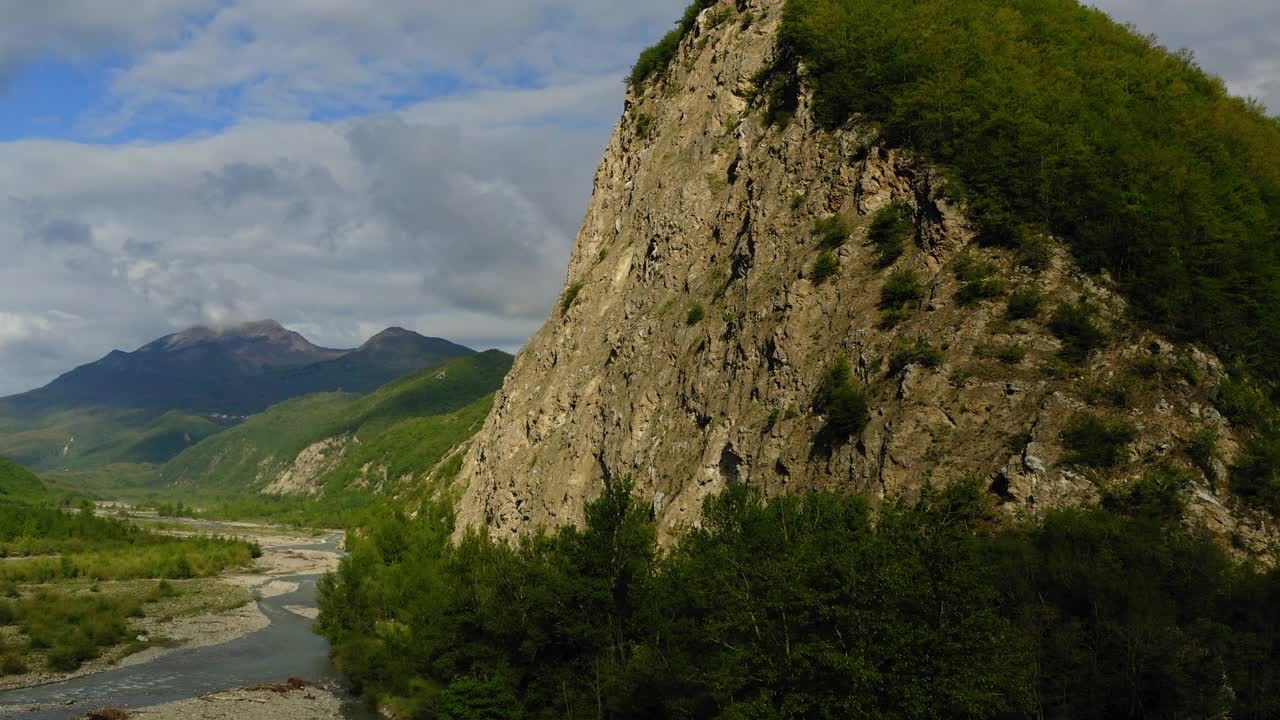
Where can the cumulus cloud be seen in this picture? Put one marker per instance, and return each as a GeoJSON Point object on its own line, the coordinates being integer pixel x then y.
{"type": "Point", "coordinates": [294, 59]}
{"type": "Point", "coordinates": [414, 219]}
{"type": "Point", "coordinates": [85, 29]}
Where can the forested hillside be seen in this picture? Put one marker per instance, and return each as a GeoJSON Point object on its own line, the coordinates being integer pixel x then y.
{"type": "Point", "coordinates": [330, 443]}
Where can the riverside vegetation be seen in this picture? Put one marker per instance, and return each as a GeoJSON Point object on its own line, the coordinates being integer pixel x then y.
{"type": "Point", "coordinates": [71, 584]}
{"type": "Point", "coordinates": [812, 607]}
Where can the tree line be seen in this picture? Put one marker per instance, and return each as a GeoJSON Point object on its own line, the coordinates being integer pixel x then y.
{"type": "Point", "coordinates": [811, 607]}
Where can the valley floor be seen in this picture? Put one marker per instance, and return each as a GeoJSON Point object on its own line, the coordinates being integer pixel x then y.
{"type": "Point", "coordinates": [206, 612]}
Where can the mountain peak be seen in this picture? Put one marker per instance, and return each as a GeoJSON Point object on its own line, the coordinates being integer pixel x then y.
{"type": "Point", "coordinates": [201, 334]}
{"type": "Point", "coordinates": [256, 327]}
{"type": "Point", "coordinates": [394, 336]}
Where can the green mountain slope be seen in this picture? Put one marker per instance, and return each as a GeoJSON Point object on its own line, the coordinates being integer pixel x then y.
{"type": "Point", "coordinates": [19, 484]}
{"type": "Point", "coordinates": [73, 439]}
{"type": "Point", "coordinates": [145, 407]}
{"type": "Point", "coordinates": [335, 442]}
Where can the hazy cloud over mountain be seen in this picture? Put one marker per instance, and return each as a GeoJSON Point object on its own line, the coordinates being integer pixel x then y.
{"type": "Point", "coordinates": [338, 166]}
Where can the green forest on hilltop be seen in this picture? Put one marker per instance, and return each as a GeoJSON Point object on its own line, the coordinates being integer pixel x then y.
{"type": "Point", "coordinates": [814, 607]}
{"type": "Point", "coordinates": [1049, 116]}
{"type": "Point", "coordinates": [1046, 118]}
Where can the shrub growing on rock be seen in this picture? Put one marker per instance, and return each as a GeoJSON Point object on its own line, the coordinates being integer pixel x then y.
{"type": "Point", "coordinates": [1095, 441]}
{"type": "Point", "coordinates": [1025, 303]}
{"type": "Point", "coordinates": [844, 405]}
{"type": "Point", "coordinates": [825, 267]}
{"type": "Point", "coordinates": [570, 297]}
{"type": "Point", "coordinates": [696, 314]}
{"type": "Point", "coordinates": [1075, 324]}
{"type": "Point", "coordinates": [916, 352]}
{"type": "Point", "coordinates": [902, 289]}
{"type": "Point", "coordinates": [832, 232]}
{"type": "Point", "coordinates": [890, 232]}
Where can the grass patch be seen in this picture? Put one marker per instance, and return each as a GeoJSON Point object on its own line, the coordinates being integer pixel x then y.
{"type": "Point", "coordinates": [1119, 392]}
{"type": "Point", "coordinates": [977, 281]}
{"type": "Point", "coordinates": [1012, 354]}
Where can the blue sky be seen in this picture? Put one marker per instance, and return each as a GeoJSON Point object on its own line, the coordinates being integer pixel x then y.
{"type": "Point", "coordinates": [336, 165]}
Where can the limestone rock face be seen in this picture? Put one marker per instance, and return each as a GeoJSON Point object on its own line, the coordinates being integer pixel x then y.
{"type": "Point", "coordinates": [698, 202]}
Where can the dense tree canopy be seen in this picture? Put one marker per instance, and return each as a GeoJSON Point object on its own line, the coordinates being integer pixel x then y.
{"type": "Point", "coordinates": [815, 607]}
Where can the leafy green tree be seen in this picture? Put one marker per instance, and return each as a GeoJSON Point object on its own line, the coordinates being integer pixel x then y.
{"type": "Point", "coordinates": [473, 699]}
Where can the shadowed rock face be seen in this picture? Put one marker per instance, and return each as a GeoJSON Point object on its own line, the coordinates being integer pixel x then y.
{"type": "Point", "coordinates": [699, 203]}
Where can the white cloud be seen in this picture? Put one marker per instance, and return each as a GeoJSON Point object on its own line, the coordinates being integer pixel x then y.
{"type": "Point", "coordinates": [85, 29]}
{"type": "Point", "coordinates": [288, 59]}
{"type": "Point", "coordinates": [407, 219]}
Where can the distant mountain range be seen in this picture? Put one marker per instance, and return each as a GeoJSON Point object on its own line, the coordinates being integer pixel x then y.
{"type": "Point", "coordinates": [148, 405]}
{"type": "Point", "coordinates": [234, 371]}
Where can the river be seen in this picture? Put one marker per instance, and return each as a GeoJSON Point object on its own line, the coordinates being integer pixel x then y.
{"type": "Point", "coordinates": [284, 649]}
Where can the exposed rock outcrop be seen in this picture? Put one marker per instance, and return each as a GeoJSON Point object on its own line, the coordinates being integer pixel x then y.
{"type": "Point", "coordinates": [698, 202]}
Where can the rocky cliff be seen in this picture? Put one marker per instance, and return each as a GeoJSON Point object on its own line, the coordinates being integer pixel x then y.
{"type": "Point", "coordinates": [693, 334]}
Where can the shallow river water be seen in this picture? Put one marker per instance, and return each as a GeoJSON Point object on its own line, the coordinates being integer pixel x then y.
{"type": "Point", "coordinates": [286, 648]}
